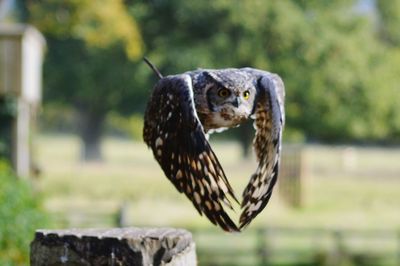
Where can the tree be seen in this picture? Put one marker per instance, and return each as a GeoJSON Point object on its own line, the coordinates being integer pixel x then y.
{"type": "Point", "coordinates": [89, 65]}
{"type": "Point", "coordinates": [388, 24]}
{"type": "Point", "coordinates": [325, 51]}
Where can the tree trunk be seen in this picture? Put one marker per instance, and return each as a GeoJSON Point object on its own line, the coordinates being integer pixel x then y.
{"type": "Point", "coordinates": [91, 131]}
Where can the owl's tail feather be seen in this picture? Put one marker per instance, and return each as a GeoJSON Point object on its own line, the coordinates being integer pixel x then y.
{"type": "Point", "coordinates": [153, 67]}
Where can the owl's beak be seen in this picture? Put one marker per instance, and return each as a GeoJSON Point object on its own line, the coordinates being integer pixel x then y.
{"type": "Point", "coordinates": [236, 102]}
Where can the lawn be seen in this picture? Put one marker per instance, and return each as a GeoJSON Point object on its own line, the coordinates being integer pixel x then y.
{"type": "Point", "coordinates": [345, 188]}
{"type": "Point", "coordinates": [334, 198]}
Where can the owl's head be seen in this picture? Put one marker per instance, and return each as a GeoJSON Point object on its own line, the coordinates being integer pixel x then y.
{"type": "Point", "coordinates": [230, 91]}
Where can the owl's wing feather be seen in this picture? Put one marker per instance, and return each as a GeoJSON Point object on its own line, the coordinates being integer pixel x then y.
{"type": "Point", "coordinates": [176, 136]}
{"type": "Point", "coordinates": [269, 120]}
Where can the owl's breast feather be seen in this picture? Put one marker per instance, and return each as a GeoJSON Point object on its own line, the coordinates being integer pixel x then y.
{"type": "Point", "coordinates": [225, 118]}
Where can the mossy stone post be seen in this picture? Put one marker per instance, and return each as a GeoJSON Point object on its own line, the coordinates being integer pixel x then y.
{"type": "Point", "coordinates": [118, 246]}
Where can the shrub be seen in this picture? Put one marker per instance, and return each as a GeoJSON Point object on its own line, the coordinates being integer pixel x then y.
{"type": "Point", "coordinates": [131, 127]}
{"type": "Point", "coordinates": [20, 216]}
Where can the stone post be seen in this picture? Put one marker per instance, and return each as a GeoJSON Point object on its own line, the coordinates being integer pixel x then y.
{"type": "Point", "coordinates": [118, 246]}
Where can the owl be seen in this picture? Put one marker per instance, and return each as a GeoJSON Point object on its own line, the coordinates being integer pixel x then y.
{"type": "Point", "coordinates": [185, 108]}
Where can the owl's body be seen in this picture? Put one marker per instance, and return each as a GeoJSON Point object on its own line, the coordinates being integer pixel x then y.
{"type": "Point", "coordinates": [185, 107]}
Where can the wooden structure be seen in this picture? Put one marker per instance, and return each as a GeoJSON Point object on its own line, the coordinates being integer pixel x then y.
{"type": "Point", "coordinates": [117, 246]}
{"type": "Point", "coordinates": [292, 177]}
{"type": "Point", "coordinates": [21, 57]}
{"type": "Point", "coordinates": [299, 246]}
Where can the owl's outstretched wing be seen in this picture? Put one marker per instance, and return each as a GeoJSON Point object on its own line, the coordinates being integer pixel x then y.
{"type": "Point", "coordinates": [176, 136]}
{"type": "Point", "coordinates": [269, 120]}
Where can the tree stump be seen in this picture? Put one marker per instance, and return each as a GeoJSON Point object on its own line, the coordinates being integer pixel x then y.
{"type": "Point", "coordinates": [117, 246]}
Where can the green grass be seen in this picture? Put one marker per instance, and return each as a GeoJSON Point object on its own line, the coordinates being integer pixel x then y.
{"type": "Point", "coordinates": [334, 198]}
{"type": "Point", "coordinates": [363, 194]}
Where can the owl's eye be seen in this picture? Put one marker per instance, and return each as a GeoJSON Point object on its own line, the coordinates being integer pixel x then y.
{"type": "Point", "coordinates": [224, 93]}
{"type": "Point", "coordinates": [246, 95]}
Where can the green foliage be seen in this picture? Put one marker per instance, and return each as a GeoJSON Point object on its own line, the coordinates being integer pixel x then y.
{"type": "Point", "coordinates": [58, 118]}
{"type": "Point", "coordinates": [386, 77]}
{"type": "Point", "coordinates": [87, 64]}
{"type": "Point", "coordinates": [131, 126]}
{"type": "Point", "coordinates": [90, 65]}
{"type": "Point", "coordinates": [326, 52]}
{"type": "Point", "coordinates": [389, 11]}
{"type": "Point", "coordinates": [339, 64]}
{"type": "Point", "coordinates": [98, 25]}
{"type": "Point", "coordinates": [20, 216]}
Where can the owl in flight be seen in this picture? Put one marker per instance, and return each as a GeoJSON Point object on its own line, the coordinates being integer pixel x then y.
{"type": "Point", "coordinates": [185, 108]}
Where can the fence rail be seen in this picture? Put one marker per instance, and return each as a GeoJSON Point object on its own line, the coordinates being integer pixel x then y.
{"type": "Point", "coordinates": [303, 246]}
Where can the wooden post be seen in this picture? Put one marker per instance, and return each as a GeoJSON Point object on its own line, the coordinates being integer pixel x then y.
{"type": "Point", "coordinates": [292, 176]}
{"type": "Point", "coordinates": [262, 246]}
{"type": "Point", "coordinates": [21, 56]}
{"type": "Point", "coordinates": [117, 246]}
{"type": "Point", "coordinates": [398, 247]}
{"type": "Point", "coordinates": [339, 255]}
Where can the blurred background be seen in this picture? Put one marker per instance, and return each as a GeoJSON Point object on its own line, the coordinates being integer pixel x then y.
{"type": "Point", "coordinates": [73, 89]}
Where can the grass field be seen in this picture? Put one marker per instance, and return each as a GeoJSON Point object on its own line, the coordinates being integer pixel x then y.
{"type": "Point", "coordinates": [334, 198]}
{"type": "Point", "coordinates": [346, 188]}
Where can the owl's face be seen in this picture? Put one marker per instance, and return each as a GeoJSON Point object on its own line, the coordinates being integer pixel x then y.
{"type": "Point", "coordinates": [238, 100]}
{"type": "Point", "coordinates": [230, 102]}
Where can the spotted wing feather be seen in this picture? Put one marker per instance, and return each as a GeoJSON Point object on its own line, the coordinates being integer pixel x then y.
{"type": "Point", "coordinates": [174, 133]}
{"type": "Point", "coordinates": [269, 121]}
